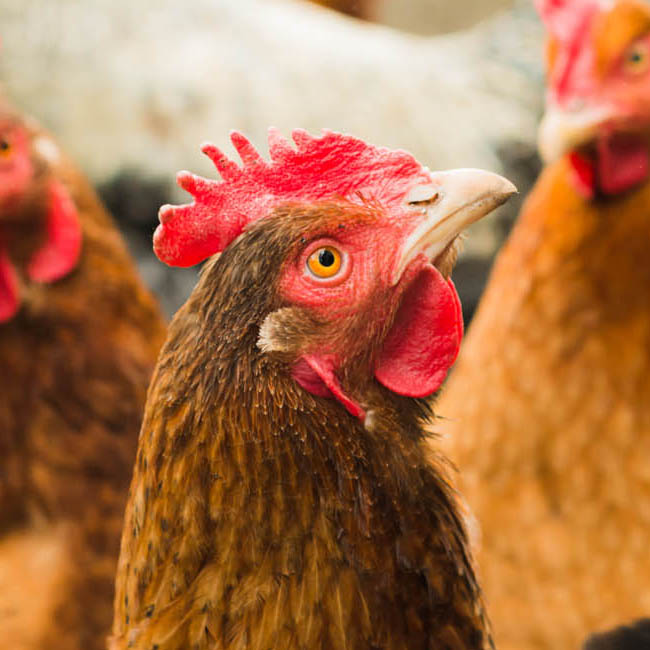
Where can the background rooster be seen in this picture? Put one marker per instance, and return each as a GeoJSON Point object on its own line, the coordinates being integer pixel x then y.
{"type": "Point", "coordinates": [78, 338]}
{"type": "Point", "coordinates": [549, 408]}
{"type": "Point", "coordinates": [281, 496]}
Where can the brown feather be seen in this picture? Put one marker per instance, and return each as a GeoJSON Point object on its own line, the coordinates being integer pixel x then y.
{"type": "Point", "coordinates": [264, 517]}
{"type": "Point", "coordinates": [76, 362]}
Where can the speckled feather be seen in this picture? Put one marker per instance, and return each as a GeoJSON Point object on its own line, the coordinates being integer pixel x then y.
{"type": "Point", "coordinates": [261, 516]}
{"type": "Point", "coordinates": [76, 360]}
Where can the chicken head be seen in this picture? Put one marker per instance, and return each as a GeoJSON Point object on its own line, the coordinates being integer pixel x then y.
{"type": "Point", "coordinates": [598, 100]}
{"type": "Point", "coordinates": [366, 239]}
{"type": "Point", "coordinates": [40, 233]}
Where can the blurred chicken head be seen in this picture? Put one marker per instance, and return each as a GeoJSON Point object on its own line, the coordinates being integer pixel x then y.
{"type": "Point", "coordinates": [598, 99]}
{"type": "Point", "coordinates": [40, 234]}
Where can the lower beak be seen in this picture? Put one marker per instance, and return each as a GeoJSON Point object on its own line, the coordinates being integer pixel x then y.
{"type": "Point", "coordinates": [562, 130]}
{"type": "Point", "coordinates": [454, 200]}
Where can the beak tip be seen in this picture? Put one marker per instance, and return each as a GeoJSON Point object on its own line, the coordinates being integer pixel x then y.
{"type": "Point", "coordinates": [500, 187]}
{"type": "Point", "coordinates": [509, 189]}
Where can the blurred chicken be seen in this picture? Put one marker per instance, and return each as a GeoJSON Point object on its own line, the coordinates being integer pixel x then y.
{"type": "Point", "coordinates": [549, 407]}
{"type": "Point", "coordinates": [281, 496]}
{"type": "Point", "coordinates": [79, 336]}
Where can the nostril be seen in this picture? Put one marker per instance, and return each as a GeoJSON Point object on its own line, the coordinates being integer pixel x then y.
{"type": "Point", "coordinates": [422, 195]}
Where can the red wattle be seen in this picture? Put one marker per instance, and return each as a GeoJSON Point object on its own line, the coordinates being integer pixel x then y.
{"type": "Point", "coordinates": [60, 253]}
{"type": "Point", "coordinates": [316, 375]}
{"type": "Point", "coordinates": [425, 338]}
{"type": "Point", "coordinates": [8, 288]}
{"type": "Point", "coordinates": [584, 174]}
{"type": "Point", "coordinates": [620, 163]}
{"type": "Point", "coordinates": [623, 163]}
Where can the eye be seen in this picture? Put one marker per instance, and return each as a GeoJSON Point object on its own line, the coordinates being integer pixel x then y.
{"type": "Point", "coordinates": [5, 148]}
{"type": "Point", "coordinates": [325, 262]}
{"type": "Point", "coordinates": [636, 58]}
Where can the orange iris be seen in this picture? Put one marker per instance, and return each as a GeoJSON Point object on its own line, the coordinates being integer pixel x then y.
{"type": "Point", "coordinates": [5, 148]}
{"type": "Point", "coordinates": [325, 262]}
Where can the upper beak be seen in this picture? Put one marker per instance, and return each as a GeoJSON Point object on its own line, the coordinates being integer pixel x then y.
{"type": "Point", "coordinates": [563, 130]}
{"type": "Point", "coordinates": [454, 200]}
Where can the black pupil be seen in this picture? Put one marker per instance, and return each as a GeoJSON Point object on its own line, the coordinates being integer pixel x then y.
{"type": "Point", "coordinates": [326, 257]}
{"type": "Point", "coordinates": [4, 145]}
{"type": "Point", "coordinates": [636, 57]}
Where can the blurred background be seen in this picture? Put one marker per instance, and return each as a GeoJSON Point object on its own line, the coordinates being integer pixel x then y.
{"type": "Point", "coordinates": [131, 88]}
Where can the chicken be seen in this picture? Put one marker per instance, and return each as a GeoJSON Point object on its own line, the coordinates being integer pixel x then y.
{"type": "Point", "coordinates": [79, 335]}
{"type": "Point", "coordinates": [548, 410]}
{"type": "Point", "coordinates": [281, 496]}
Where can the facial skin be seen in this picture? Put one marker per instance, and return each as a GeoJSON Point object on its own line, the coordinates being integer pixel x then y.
{"type": "Point", "coordinates": [16, 169]}
{"type": "Point", "coordinates": [598, 101]}
{"type": "Point", "coordinates": [369, 292]}
{"type": "Point", "coordinates": [366, 221]}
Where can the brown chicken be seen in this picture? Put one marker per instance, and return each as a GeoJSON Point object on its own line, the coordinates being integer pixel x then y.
{"type": "Point", "coordinates": [281, 496]}
{"type": "Point", "coordinates": [548, 410]}
{"type": "Point", "coordinates": [79, 335]}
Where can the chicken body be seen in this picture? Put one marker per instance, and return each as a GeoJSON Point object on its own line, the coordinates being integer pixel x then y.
{"type": "Point", "coordinates": [548, 411]}
{"type": "Point", "coordinates": [262, 513]}
{"type": "Point", "coordinates": [259, 518]}
{"type": "Point", "coordinates": [553, 438]}
{"type": "Point", "coordinates": [77, 355]}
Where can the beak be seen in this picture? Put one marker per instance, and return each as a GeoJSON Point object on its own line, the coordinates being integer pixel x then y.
{"type": "Point", "coordinates": [563, 130]}
{"type": "Point", "coordinates": [454, 200]}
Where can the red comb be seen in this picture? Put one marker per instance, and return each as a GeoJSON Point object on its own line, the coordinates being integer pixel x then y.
{"type": "Point", "coordinates": [565, 19]}
{"type": "Point", "coordinates": [570, 23]}
{"type": "Point", "coordinates": [319, 168]}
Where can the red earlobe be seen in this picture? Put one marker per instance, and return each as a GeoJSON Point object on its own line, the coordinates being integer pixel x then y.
{"type": "Point", "coordinates": [584, 174]}
{"type": "Point", "coordinates": [8, 288]}
{"type": "Point", "coordinates": [316, 375]}
{"type": "Point", "coordinates": [62, 248]}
